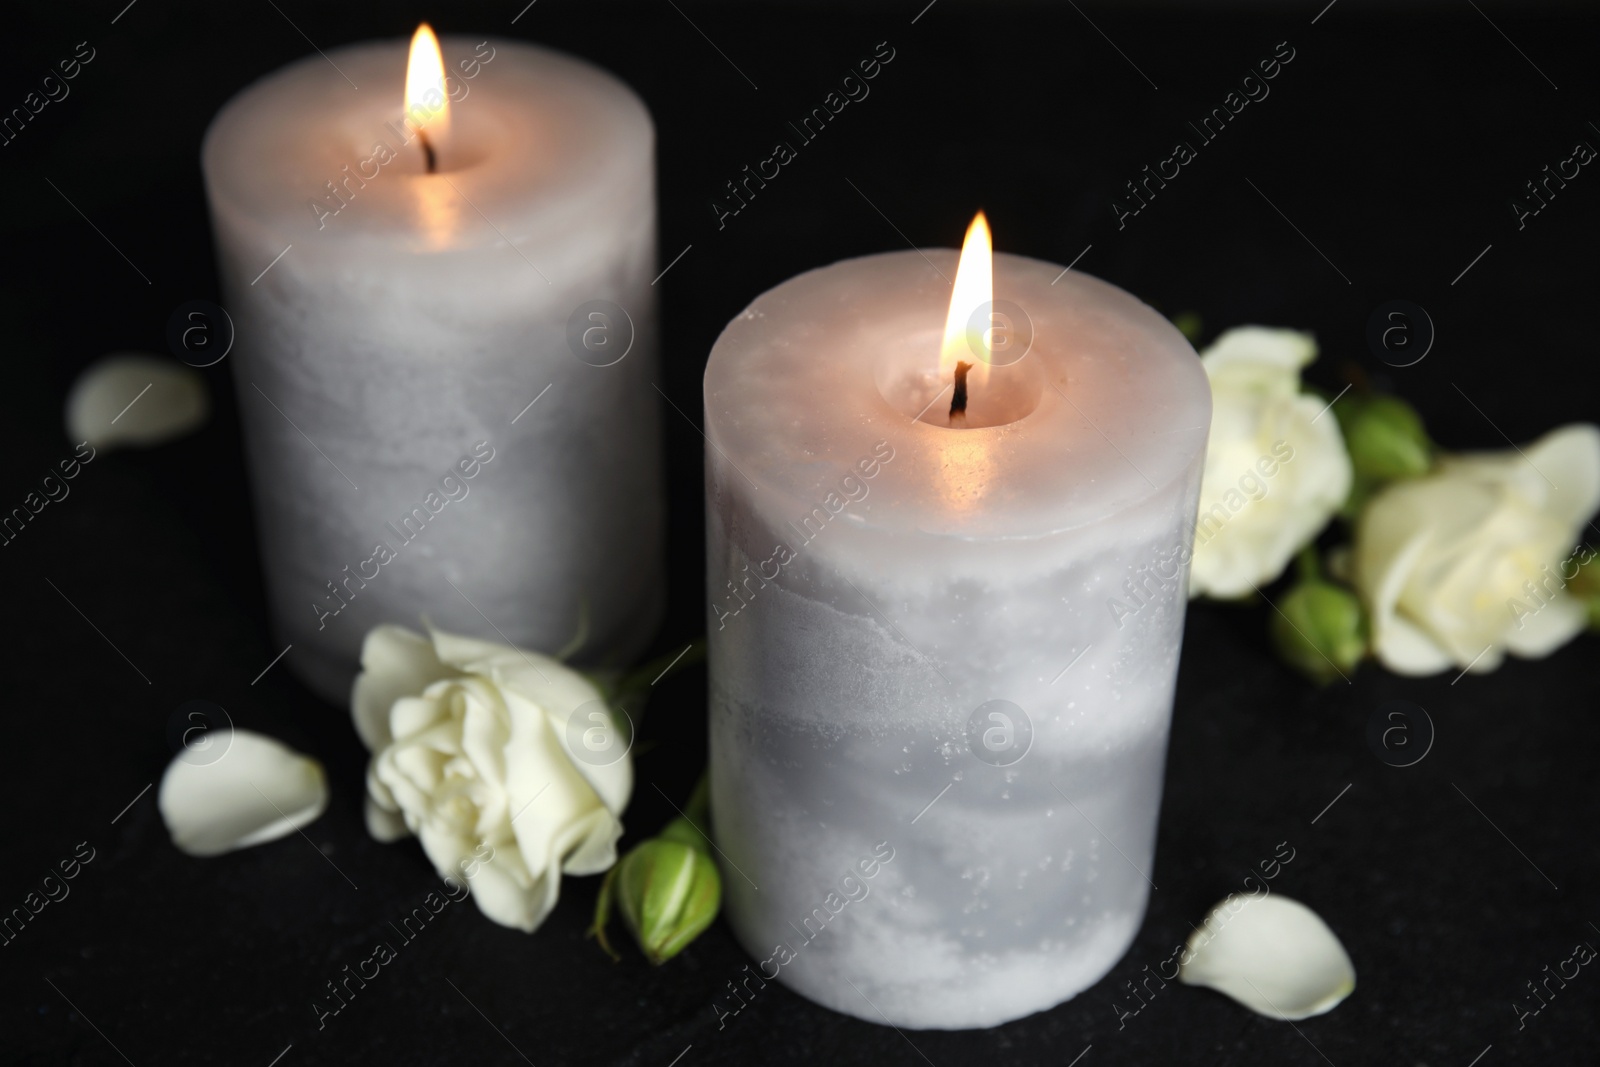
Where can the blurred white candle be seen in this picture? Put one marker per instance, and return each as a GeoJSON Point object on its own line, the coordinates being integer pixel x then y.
{"type": "Point", "coordinates": [879, 605]}
{"type": "Point", "coordinates": [394, 325]}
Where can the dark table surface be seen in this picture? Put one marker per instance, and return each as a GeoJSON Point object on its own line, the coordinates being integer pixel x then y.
{"type": "Point", "coordinates": [1383, 162]}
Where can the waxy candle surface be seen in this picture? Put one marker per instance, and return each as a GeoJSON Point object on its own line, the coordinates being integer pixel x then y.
{"type": "Point", "coordinates": [390, 320]}
{"type": "Point", "coordinates": [876, 581]}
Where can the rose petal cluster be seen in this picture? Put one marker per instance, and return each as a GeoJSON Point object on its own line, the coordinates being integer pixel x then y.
{"type": "Point", "coordinates": [1276, 467]}
{"type": "Point", "coordinates": [1472, 561]}
{"type": "Point", "coordinates": [472, 752]}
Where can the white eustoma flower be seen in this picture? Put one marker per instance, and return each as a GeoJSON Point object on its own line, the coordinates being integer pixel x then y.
{"type": "Point", "coordinates": [504, 763]}
{"type": "Point", "coordinates": [1272, 954]}
{"type": "Point", "coordinates": [243, 789]}
{"type": "Point", "coordinates": [1276, 466]}
{"type": "Point", "coordinates": [1469, 562]}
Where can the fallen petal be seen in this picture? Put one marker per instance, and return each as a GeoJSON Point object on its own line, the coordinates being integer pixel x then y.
{"type": "Point", "coordinates": [256, 790]}
{"type": "Point", "coordinates": [128, 398]}
{"type": "Point", "coordinates": [1273, 955]}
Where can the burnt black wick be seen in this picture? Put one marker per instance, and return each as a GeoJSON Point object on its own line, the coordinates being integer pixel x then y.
{"type": "Point", "coordinates": [958, 402]}
{"type": "Point", "coordinates": [427, 151]}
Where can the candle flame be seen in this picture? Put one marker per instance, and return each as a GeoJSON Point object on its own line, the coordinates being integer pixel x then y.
{"type": "Point", "coordinates": [972, 292]}
{"type": "Point", "coordinates": [427, 100]}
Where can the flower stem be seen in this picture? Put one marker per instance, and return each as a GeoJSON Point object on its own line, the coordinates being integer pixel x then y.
{"type": "Point", "coordinates": [602, 915]}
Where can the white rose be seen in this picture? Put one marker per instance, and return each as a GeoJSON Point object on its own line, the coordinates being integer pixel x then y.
{"type": "Point", "coordinates": [1469, 562]}
{"type": "Point", "coordinates": [471, 753]}
{"type": "Point", "coordinates": [1276, 466]}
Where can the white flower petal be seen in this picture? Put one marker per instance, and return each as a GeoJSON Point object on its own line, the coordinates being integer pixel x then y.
{"type": "Point", "coordinates": [258, 790]}
{"type": "Point", "coordinates": [596, 851]}
{"type": "Point", "coordinates": [1267, 346]}
{"type": "Point", "coordinates": [110, 403]}
{"type": "Point", "coordinates": [1560, 620]}
{"type": "Point", "coordinates": [485, 729]}
{"type": "Point", "coordinates": [1569, 456]}
{"type": "Point", "coordinates": [1383, 563]}
{"type": "Point", "coordinates": [384, 824]}
{"type": "Point", "coordinates": [395, 662]}
{"type": "Point", "coordinates": [506, 894]}
{"type": "Point", "coordinates": [611, 782]}
{"type": "Point", "coordinates": [467, 654]}
{"type": "Point", "coordinates": [446, 848]}
{"type": "Point", "coordinates": [569, 842]}
{"type": "Point", "coordinates": [410, 716]}
{"type": "Point", "coordinates": [1273, 955]}
{"type": "Point", "coordinates": [609, 775]}
{"type": "Point", "coordinates": [1407, 649]}
{"type": "Point", "coordinates": [546, 790]}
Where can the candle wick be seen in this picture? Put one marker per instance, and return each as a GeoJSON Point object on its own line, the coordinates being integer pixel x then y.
{"type": "Point", "coordinates": [958, 402]}
{"type": "Point", "coordinates": [427, 151]}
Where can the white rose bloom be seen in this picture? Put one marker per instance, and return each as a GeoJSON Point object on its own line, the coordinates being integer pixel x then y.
{"type": "Point", "coordinates": [1469, 562]}
{"type": "Point", "coordinates": [1276, 465]}
{"type": "Point", "coordinates": [471, 753]}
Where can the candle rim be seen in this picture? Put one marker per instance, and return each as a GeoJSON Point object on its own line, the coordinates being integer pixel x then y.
{"type": "Point", "coordinates": [245, 173]}
{"type": "Point", "coordinates": [1019, 511]}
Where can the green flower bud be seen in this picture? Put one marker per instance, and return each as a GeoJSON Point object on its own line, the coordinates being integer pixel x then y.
{"type": "Point", "coordinates": [669, 893]}
{"type": "Point", "coordinates": [668, 888]}
{"type": "Point", "coordinates": [1385, 437]}
{"type": "Point", "coordinates": [685, 832]}
{"type": "Point", "coordinates": [1319, 630]}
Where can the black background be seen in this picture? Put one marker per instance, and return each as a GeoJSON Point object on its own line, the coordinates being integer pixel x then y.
{"type": "Point", "coordinates": [1395, 142]}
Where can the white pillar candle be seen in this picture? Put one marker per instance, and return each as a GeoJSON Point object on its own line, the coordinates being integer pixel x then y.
{"type": "Point", "coordinates": [890, 578]}
{"type": "Point", "coordinates": [394, 325]}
